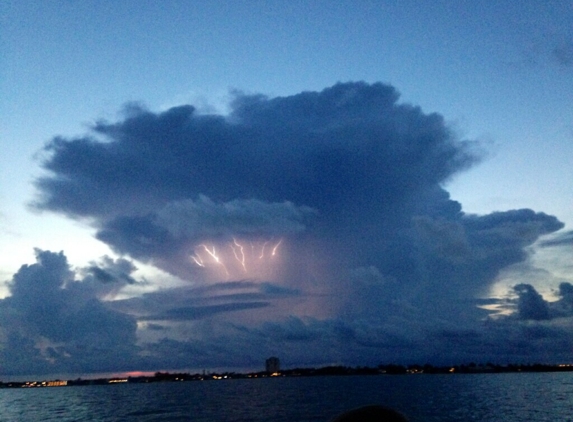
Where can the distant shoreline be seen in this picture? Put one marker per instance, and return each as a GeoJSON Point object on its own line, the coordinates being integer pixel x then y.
{"type": "Point", "coordinates": [391, 369]}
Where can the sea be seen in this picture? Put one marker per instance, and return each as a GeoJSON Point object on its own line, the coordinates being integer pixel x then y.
{"type": "Point", "coordinates": [509, 397]}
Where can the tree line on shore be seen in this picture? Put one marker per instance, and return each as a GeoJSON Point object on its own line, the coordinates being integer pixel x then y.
{"type": "Point", "coordinates": [337, 370]}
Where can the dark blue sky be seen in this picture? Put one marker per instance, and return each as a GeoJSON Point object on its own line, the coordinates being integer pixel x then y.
{"type": "Point", "coordinates": [349, 183]}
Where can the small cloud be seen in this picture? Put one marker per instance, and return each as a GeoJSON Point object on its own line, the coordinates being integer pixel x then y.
{"type": "Point", "coordinates": [563, 54]}
{"type": "Point", "coordinates": [549, 51]}
{"type": "Point", "coordinates": [100, 275]}
{"type": "Point", "coordinates": [192, 313]}
{"type": "Point", "coordinates": [560, 239]}
{"type": "Point", "coordinates": [530, 304]}
{"type": "Point", "coordinates": [273, 289]}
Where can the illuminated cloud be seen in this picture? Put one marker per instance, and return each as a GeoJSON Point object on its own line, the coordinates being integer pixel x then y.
{"type": "Point", "coordinates": [238, 238]}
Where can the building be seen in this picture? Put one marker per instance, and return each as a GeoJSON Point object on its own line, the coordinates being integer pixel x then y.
{"type": "Point", "coordinates": [273, 365]}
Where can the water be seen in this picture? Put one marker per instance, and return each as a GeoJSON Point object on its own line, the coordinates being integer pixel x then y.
{"type": "Point", "coordinates": [473, 397]}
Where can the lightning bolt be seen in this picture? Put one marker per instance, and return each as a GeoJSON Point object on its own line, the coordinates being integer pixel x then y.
{"type": "Point", "coordinates": [242, 260]}
{"type": "Point", "coordinates": [214, 255]}
{"type": "Point", "coordinates": [254, 261]}
{"type": "Point", "coordinates": [263, 250]}
{"type": "Point", "coordinates": [235, 252]}
{"type": "Point", "coordinates": [197, 260]}
{"type": "Point", "coordinates": [275, 247]}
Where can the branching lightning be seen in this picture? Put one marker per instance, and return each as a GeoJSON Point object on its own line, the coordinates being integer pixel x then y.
{"type": "Point", "coordinates": [236, 259]}
{"type": "Point", "coordinates": [242, 260]}
{"type": "Point", "coordinates": [198, 260]}
{"type": "Point", "coordinates": [215, 257]}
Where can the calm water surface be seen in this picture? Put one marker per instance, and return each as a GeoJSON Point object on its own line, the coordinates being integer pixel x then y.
{"type": "Point", "coordinates": [475, 397]}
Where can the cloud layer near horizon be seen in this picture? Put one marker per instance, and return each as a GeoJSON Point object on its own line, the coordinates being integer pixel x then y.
{"type": "Point", "coordinates": [346, 185]}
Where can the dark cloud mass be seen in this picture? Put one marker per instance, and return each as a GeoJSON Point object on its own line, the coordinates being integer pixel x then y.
{"type": "Point", "coordinates": [345, 145]}
{"type": "Point", "coordinates": [314, 226]}
{"type": "Point", "coordinates": [530, 304]}
{"type": "Point", "coordinates": [49, 307]}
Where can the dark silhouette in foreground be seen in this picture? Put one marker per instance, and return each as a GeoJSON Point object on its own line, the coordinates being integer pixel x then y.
{"type": "Point", "coordinates": [371, 414]}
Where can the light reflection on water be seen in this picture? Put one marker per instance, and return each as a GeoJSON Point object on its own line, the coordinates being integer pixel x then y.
{"type": "Point", "coordinates": [444, 398]}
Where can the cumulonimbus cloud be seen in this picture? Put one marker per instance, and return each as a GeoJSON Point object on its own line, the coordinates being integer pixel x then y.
{"type": "Point", "coordinates": [350, 182]}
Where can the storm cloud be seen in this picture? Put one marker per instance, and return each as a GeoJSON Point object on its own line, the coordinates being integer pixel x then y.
{"type": "Point", "coordinates": [316, 226]}
{"type": "Point", "coordinates": [348, 168]}
{"type": "Point", "coordinates": [326, 150]}
{"type": "Point", "coordinates": [59, 322]}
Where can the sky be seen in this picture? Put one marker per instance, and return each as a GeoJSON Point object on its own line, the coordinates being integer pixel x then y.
{"type": "Point", "coordinates": [190, 185]}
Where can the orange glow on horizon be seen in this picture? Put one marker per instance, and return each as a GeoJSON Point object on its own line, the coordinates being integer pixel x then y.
{"type": "Point", "coordinates": [135, 374]}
